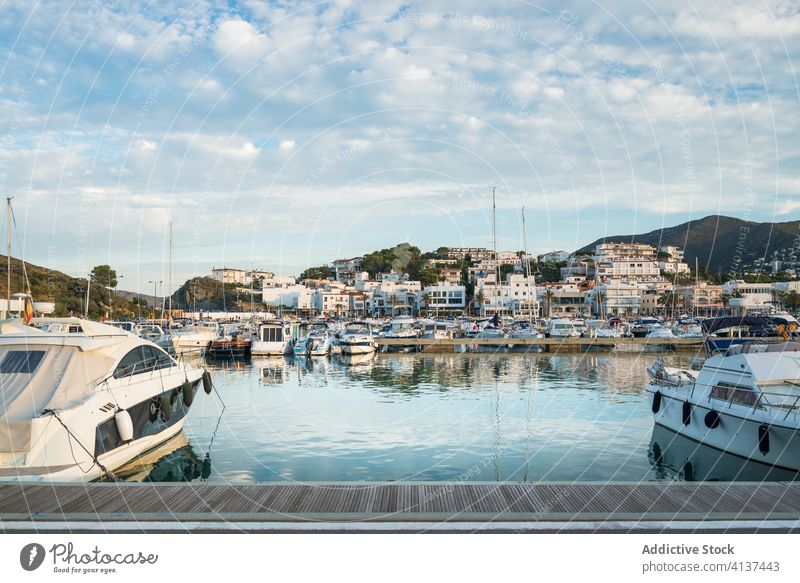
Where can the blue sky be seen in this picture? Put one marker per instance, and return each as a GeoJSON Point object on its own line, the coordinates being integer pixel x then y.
{"type": "Point", "coordinates": [281, 135]}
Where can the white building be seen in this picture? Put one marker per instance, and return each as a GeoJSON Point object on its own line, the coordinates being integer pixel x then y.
{"type": "Point", "coordinates": [674, 263]}
{"type": "Point", "coordinates": [755, 297]}
{"type": "Point", "coordinates": [555, 256]}
{"type": "Point", "coordinates": [229, 275]}
{"type": "Point", "coordinates": [298, 297]}
{"type": "Point", "coordinates": [627, 268]}
{"type": "Point", "coordinates": [516, 296]}
{"type": "Point", "coordinates": [443, 296]}
{"type": "Point", "coordinates": [622, 298]}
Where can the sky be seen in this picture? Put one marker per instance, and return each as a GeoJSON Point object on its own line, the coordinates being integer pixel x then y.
{"type": "Point", "coordinates": [279, 135]}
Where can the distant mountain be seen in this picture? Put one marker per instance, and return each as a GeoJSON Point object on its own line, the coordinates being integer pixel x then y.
{"type": "Point", "coordinates": [722, 244]}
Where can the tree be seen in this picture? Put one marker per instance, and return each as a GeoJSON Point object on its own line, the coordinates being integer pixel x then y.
{"type": "Point", "coordinates": [104, 275]}
{"type": "Point", "coordinates": [791, 300]}
{"type": "Point", "coordinates": [481, 299]}
{"type": "Point", "coordinates": [319, 272]}
{"type": "Point", "coordinates": [548, 297]}
{"type": "Point", "coordinates": [426, 299]}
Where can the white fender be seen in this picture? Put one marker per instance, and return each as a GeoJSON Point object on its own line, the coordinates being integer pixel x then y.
{"type": "Point", "coordinates": [124, 425]}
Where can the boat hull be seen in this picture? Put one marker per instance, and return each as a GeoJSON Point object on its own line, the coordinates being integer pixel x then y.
{"type": "Point", "coordinates": [259, 348]}
{"type": "Point", "coordinates": [738, 432]}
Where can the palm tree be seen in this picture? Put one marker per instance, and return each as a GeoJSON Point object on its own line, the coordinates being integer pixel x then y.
{"type": "Point", "coordinates": [600, 299]}
{"type": "Point", "coordinates": [426, 299]}
{"type": "Point", "coordinates": [671, 299]}
{"type": "Point", "coordinates": [548, 297]}
{"type": "Point", "coordinates": [481, 299]}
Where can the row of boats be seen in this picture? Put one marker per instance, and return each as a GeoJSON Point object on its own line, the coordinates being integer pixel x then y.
{"type": "Point", "coordinates": [323, 337]}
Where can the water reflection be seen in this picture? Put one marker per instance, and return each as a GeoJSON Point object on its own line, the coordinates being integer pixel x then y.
{"type": "Point", "coordinates": [679, 458]}
{"type": "Point", "coordinates": [529, 417]}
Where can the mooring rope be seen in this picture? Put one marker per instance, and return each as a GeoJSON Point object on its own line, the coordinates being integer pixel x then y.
{"type": "Point", "coordinates": [106, 471]}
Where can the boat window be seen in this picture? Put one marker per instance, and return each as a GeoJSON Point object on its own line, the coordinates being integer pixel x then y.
{"type": "Point", "coordinates": [738, 394]}
{"type": "Point", "coordinates": [142, 359]}
{"type": "Point", "coordinates": [21, 361]}
{"type": "Point", "coordinates": [272, 334]}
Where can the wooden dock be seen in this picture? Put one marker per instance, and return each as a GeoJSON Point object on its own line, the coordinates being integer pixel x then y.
{"type": "Point", "coordinates": [402, 506]}
{"type": "Point", "coordinates": [537, 344]}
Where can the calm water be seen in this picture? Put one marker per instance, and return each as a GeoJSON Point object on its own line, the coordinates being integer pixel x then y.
{"type": "Point", "coordinates": [571, 417]}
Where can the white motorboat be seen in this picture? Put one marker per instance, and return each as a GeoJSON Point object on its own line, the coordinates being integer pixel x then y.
{"type": "Point", "coordinates": [561, 328]}
{"type": "Point", "coordinates": [316, 343]}
{"type": "Point", "coordinates": [436, 329]}
{"type": "Point", "coordinates": [743, 402]}
{"type": "Point", "coordinates": [194, 338]}
{"type": "Point", "coordinates": [155, 334]}
{"type": "Point", "coordinates": [81, 399]}
{"type": "Point", "coordinates": [402, 327]}
{"type": "Point", "coordinates": [356, 339]}
{"type": "Point", "coordinates": [643, 326]}
{"type": "Point", "coordinates": [274, 339]}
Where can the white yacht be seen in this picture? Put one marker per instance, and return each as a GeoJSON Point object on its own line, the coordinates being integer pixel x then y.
{"type": "Point", "coordinates": [274, 339]}
{"type": "Point", "coordinates": [357, 339]}
{"type": "Point", "coordinates": [402, 327]}
{"type": "Point", "coordinates": [561, 328]}
{"type": "Point", "coordinates": [194, 338]}
{"type": "Point", "coordinates": [744, 402]}
{"type": "Point", "coordinates": [155, 334]}
{"type": "Point", "coordinates": [81, 399]}
{"type": "Point", "coordinates": [316, 343]}
{"type": "Point", "coordinates": [436, 329]}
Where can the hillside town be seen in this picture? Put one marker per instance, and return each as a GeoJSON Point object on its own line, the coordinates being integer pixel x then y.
{"type": "Point", "coordinates": [617, 279]}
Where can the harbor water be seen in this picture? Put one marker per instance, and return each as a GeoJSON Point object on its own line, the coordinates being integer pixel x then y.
{"type": "Point", "coordinates": [462, 417]}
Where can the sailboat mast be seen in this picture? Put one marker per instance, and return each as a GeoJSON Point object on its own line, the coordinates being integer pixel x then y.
{"type": "Point", "coordinates": [527, 270]}
{"type": "Point", "coordinates": [494, 247]}
{"type": "Point", "coordinates": [8, 252]}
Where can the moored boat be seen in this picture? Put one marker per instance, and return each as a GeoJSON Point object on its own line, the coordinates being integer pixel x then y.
{"type": "Point", "coordinates": [81, 398]}
{"type": "Point", "coordinates": [744, 402]}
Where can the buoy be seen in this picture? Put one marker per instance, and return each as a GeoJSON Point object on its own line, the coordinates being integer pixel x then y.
{"type": "Point", "coordinates": [124, 425]}
{"type": "Point", "coordinates": [712, 419]}
{"type": "Point", "coordinates": [188, 393]}
{"type": "Point", "coordinates": [763, 439]}
{"type": "Point", "coordinates": [207, 385]}
{"type": "Point", "coordinates": [687, 412]}
{"type": "Point", "coordinates": [656, 401]}
{"type": "Point", "coordinates": [206, 471]}
{"type": "Point", "coordinates": [173, 396]}
{"type": "Point", "coordinates": [688, 472]}
{"type": "Point", "coordinates": [166, 408]}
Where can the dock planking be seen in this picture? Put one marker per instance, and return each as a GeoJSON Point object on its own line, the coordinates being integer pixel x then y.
{"type": "Point", "coordinates": [399, 501]}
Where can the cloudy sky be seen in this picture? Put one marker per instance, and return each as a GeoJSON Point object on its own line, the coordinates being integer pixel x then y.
{"type": "Point", "coordinates": [281, 135]}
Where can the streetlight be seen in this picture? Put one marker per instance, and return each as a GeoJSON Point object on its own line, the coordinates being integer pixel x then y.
{"type": "Point", "coordinates": [155, 296]}
{"type": "Point", "coordinates": [111, 302]}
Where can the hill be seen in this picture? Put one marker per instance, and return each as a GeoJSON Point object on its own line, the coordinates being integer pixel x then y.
{"type": "Point", "coordinates": [722, 244]}
{"type": "Point", "coordinates": [68, 293]}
